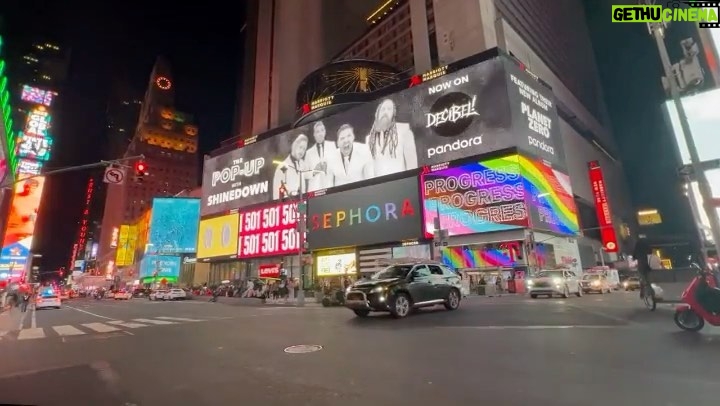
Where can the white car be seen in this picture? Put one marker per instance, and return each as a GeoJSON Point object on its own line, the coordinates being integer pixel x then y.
{"type": "Point", "coordinates": [175, 294]}
{"type": "Point", "coordinates": [123, 295]}
{"type": "Point", "coordinates": [48, 302]}
{"type": "Point", "coordinates": [157, 295]}
{"type": "Point", "coordinates": [551, 283]}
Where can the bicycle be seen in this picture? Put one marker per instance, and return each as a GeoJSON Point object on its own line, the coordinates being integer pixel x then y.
{"type": "Point", "coordinates": [647, 294]}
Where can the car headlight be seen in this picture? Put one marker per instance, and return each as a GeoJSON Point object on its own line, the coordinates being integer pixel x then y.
{"type": "Point", "coordinates": [625, 284]}
{"type": "Point", "coordinates": [596, 283]}
{"type": "Point", "coordinates": [557, 281]}
{"type": "Point", "coordinates": [379, 289]}
{"type": "Point", "coordinates": [348, 289]}
{"type": "Point", "coordinates": [529, 282]}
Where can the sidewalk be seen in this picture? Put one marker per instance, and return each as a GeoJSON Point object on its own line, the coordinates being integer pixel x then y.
{"type": "Point", "coordinates": [255, 302]}
{"type": "Point", "coordinates": [9, 321]}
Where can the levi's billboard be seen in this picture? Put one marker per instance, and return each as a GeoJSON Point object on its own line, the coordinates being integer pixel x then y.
{"type": "Point", "coordinates": [486, 107]}
{"type": "Point", "coordinates": [385, 212]}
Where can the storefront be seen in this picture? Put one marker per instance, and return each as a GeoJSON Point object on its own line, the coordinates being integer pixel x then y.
{"type": "Point", "coordinates": [350, 231]}
{"type": "Point", "coordinates": [502, 217]}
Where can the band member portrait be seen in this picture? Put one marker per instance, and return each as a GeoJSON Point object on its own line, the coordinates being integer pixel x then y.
{"type": "Point", "coordinates": [317, 157]}
{"type": "Point", "coordinates": [352, 162]}
{"type": "Point", "coordinates": [391, 144]}
{"type": "Point", "coordinates": [293, 170]}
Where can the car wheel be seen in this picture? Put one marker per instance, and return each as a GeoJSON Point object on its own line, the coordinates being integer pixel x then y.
{"type": "Point", "coordinates": [602, 291]}
{"type": "Point", "coordinates": [400, 306]}
{"type": "Point", "coordinates": [566, 292]}
{"type": "Point", "coordinates": [533, 296]}
{"type": "Point", "coordinates": [453, 300]}
{"type": "Point", "coordinates": [361, 313]}
{"type": "Point", "coordinates": [579, 292]}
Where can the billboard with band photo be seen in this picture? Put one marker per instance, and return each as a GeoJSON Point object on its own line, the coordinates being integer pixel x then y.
{"type": "Point", "coordinates": [486, 107]}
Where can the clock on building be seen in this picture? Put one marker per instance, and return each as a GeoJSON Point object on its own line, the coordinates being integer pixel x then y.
{"type": "Point", "coordinates": [163, 83]}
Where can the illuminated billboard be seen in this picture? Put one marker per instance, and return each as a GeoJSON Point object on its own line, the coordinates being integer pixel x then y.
{"type": "Point", "coordinates": [38, 122]}
{"type": "Point", "coordinates": [7, 155]}
{"type": "Point", "coordinates": [21, 221]}
{"type": "Point", "coordinates": [174, 225]}
{"type": "Point", "coordinates": [33, 147]}
{"type": "Point", "coordinates": [704, 119]}
{"type": "Point", "coordinates": [127, 244]}
{"type": "Point", "coordinates": [160, 267]}
{"type": "Point", "coordinates": [268, 231]}
{"type": "Point", "coordinates": [218, 237]}
{"type": "Point", "coordinates": [489, 106]}
{"type": "Point", "coordinates": [29, 167]}
{"type": "Point", "coordinates": [37, 96]}
{"type": "Point", "coordinates": [476, 197]}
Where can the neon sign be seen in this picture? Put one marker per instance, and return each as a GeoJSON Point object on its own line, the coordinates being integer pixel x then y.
{"type": "Point", "coordinates": [37, 96]}
{"type": "Point", "coordinates": [38, 122]}
{"type": "Point", "coordinates": [29, 167]}
{"type": "Point", "coordinates": [34, 147]}
{"type": "Point", "coordinates": [267, 231]}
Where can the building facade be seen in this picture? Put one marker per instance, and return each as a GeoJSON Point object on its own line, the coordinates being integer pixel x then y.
{"type": "Point", "coordinates": [167, 138]}
{"type": "Point", "coordinates": [435, 33]}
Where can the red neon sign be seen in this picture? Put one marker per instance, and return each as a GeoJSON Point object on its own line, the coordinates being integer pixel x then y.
{"type": "Point", "coordinates": [602, 208]}
{"type": "Point", "coordinates": [268, 231]}
{"type": "Point", "coordinates": [269, 271]}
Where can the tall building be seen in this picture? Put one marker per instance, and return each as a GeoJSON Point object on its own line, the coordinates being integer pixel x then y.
{"type": "Point", "coordinates": [167, 138]}
{"type": "Point", "coordinates": [551, 40]}
{"type": "Point", "coordinates": [39, 72]}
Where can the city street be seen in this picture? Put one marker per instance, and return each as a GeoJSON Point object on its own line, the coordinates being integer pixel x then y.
{"type": "Point", "coordinates": [512, 350]}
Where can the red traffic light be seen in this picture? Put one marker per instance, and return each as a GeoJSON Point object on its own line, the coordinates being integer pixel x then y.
{"type": "Point", "coordinates": [140, 168]}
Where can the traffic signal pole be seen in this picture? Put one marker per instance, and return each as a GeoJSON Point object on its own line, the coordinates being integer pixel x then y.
{"type": "Point", "coordinates": [116, 162]}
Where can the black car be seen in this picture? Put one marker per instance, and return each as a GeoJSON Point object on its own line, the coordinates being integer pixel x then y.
{"type": "Point", "coordinates": [400, 288]}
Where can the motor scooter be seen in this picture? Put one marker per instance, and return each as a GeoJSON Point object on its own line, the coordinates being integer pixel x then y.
{"type": "Point", "coordinates": [700, 302]}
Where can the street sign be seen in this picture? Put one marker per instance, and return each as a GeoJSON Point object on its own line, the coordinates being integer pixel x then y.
{"type": "Point", "coordinates": [114, 176]}
{"type": "Point", "coordinates": [440, 243]}
{"type": "Point", "coordinates": [687, 170]}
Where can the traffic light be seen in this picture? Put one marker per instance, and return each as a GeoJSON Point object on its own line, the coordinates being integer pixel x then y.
{"type": "Point", "coordinates": [140, 170]}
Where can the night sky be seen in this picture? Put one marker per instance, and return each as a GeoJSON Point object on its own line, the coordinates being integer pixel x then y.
{"type": "Point", "coordinates": [112, 44]}
{"type": "Point", "coordinates": [205, 48]}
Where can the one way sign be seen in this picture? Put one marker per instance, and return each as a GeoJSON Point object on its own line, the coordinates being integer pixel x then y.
{"type": "Point", "coordinates": [114, 176]}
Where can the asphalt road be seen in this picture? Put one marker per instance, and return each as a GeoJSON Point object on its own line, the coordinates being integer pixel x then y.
{"type": "Point", "coordinates": [594, 350]}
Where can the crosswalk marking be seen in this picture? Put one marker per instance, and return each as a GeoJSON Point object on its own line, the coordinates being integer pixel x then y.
{"type": "Point", "coordinates": [68, 331]}
{"type": "Point", "coordinates": [31, 333]}
{"type": "Point", "coordinates": [150, 321]}
{"type": "Point", "coordinates": [177, 319]}
{"type": "Point", "coordinates": [127, 324]}
{"type": "Point", "coordinates": [100, 327]}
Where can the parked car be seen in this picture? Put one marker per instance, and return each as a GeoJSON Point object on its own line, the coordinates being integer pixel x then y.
{"type": "Point", "coordinates": [631, 283]}
{"type": "Point", "coordinates": [403, 287]}
{"type": "Point", "coordinates": [123, 295]}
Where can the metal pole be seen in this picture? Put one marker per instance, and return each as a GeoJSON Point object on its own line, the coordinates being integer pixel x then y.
{"type": "Point", "coordinates": [301, 245]}
{"type": "Point", "coordinates": [703, 184]}
{"type": "Point", "coordinates": [117, 162]}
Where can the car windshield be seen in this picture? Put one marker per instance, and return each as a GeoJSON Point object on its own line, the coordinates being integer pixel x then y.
{"type": "Point", "coordinates": [591, 277]}
{"type": "Point", "coordinates": [391, 272]}
{"type": "Point", "coordinates": [550, 274]}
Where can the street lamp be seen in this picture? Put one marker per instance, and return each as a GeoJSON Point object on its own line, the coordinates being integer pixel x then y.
{"type": "Point", "coordinates": [657, 30]}
{"type": "Point", "coordinates": [301, 224]}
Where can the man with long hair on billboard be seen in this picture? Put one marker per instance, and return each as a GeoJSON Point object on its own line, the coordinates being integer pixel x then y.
{"type": "Point", "coordinates": [352, 162]}
{"type": "Point", "coordinates": [392, 144]}
{"type": "Point", "coordinates": [21, 221]}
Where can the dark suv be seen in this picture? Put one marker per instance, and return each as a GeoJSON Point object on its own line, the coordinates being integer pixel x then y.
{"type": "Point", "coordinates": [400, 288]}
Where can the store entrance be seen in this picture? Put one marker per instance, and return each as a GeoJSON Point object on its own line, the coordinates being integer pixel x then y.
{"type": "Point", "coordinates": [495, 281]}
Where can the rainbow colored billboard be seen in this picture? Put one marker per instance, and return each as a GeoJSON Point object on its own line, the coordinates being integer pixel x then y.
{"type": "Point", "coordinates": [498, 194]}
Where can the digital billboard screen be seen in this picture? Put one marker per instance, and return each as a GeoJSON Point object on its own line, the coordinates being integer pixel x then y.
{"type": "Point", "coordinates": [487, 107]}
{"type": "Point", "coordinates": [476, 197]}
{"type": "Point", "coordinates": [160, 266]}
{"type": "Point", "coordinates": [704, 120]}
{"type": "Point", "coordinates": [33, 147]}
{"type": "Point", "coordinates": [36, 95]}
{"type": "Point", "coordinates": [173, 225]}
{"type": "Point", "coordinates": [385, 212]}
{"type": "Point", "coordinates": [218, 237]}
{"type": "Point", "coordinates": [268, 231]}
{"type": "Point", "coordinates": [24, 209]}
{"type": "Point", "coordinates": [550, 197]}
